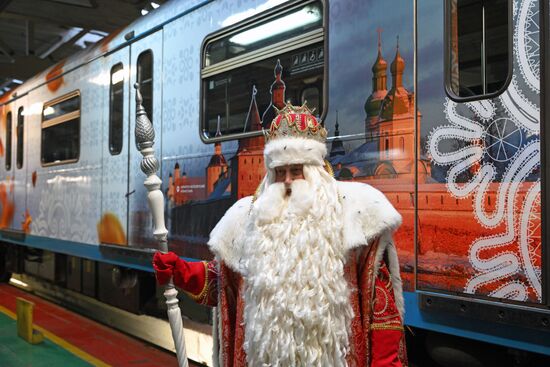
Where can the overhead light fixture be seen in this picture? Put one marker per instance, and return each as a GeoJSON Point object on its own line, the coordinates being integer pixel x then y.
{"type": "Point", "coordinates": [237, 17]}
{"type": "Point", "coordinates": [154, 5]}
{"type": "Point", "coordinates": [17, 81]}
{"type": "Point", "coordinates": [144, 11]}
{"type": "Point", "coordinates": [300, 18]}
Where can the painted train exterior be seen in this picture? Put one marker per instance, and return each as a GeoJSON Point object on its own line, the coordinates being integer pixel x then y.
{"type": "Point", "coordinates": [411, 108]}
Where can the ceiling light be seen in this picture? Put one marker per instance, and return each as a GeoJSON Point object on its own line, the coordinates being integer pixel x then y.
{"type": "Point", "coordinates": [234, 18]}
{"type": "Point", "coordinates": [144, 11]}
{"type": "Point", "coordinates": [302, 17]}
{"type": "Point", "coordinates": [154, 5]}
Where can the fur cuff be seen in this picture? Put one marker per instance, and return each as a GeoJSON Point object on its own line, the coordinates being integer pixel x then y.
{"type": "Point", "coordinates": [291, 150]}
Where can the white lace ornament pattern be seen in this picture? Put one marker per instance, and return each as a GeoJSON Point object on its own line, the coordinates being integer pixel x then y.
{"type": "Point", "coordinates": [500, 274]}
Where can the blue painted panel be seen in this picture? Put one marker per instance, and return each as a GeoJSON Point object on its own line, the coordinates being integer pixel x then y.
{"type": "Point", "coordinates": [490, 332]}
{"type": "Point", "coordinates": [117, 255]}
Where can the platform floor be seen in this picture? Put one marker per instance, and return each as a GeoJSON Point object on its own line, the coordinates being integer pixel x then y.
{"type": "Point", "coordinates": [69, 339]}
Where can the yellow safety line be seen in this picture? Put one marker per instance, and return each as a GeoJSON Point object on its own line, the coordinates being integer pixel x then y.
{"type": "Point", "coordinates": [61, 342]}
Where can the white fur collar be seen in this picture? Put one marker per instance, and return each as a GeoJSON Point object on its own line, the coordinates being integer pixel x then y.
{"type": "Point", "coordinates": [367, 215]}
{"type": "Point", "coordinates": [223, 238]}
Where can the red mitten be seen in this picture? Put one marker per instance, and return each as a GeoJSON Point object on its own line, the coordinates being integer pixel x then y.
{"type": "Point", "coordinates": [189, 276]}
{"type": "Point", "coordinates": [164, 265]}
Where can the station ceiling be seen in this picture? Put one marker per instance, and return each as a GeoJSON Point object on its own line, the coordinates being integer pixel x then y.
{"type": "Point", "coordinates": [35, 34]}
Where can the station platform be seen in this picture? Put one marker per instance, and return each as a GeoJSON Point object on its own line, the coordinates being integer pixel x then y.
{"type": "Point", "coordinates": [70, 339]}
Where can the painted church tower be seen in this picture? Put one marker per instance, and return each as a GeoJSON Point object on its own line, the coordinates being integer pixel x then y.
{"type": "Point", "coordinates": [379, 91]}
{"type": "Point", "coordinates": [217, 166]}
{"type": "Point", "coordinates": [247, 166]}
{"type": "Point", "coordinates": [396, 123]}
{"type": "Point", "coordinates": [390, 122]}
{"type": "Point", "coordinates": [277, 91]}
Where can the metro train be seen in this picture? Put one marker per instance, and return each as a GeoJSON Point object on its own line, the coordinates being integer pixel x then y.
{"type": "Point", "coordinates": [439, 104]}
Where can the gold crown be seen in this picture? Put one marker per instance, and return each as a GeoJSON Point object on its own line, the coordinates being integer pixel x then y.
{"type": "Point", "coordinates": [297, 122]}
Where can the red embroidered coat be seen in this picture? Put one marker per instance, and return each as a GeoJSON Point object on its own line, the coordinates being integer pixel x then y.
{"type": "Point", "coordinates": [372, 273]}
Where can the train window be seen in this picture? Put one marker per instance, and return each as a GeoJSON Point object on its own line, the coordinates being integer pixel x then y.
{"type": "Point", "coordinates": [258, 65]}
{"type": "Point", "coordinates": [61, 130]}
{"type": "Point", "coordinates": [116, 105]}
{"type": "Point", "coordinates": [19, 132]}
{"type": "Point", "coordinates": [479, 48]}
{"type": "Point", "coordinates": [8, 141]}
{"type": "Point", "coordinates": [145, 80]}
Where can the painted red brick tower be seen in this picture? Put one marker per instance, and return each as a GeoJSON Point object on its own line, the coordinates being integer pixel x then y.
{"type": "Point", "coordinates": [277, 91]}
{"type": "Point", "coordinates": [217, 167]}
{"type": "Point", "coordinates": [247, 167]}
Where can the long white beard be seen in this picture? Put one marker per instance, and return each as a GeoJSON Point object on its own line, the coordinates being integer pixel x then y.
{"type": "Point", "coordinates": [297, 310]}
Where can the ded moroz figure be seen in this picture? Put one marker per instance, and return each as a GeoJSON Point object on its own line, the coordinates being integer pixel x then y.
{"type": "Point", "coordinates": [305, 272]}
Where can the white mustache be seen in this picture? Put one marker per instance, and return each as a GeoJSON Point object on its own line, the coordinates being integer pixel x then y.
{"type": "Point", "coordinates": [275, 202]}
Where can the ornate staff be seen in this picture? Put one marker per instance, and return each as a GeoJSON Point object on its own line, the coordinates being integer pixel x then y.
{"type": "Point", "coordinates": [145, 138]}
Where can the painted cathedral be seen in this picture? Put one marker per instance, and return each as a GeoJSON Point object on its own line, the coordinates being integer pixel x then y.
{"type": "Point", "coordinates": [389, 150]}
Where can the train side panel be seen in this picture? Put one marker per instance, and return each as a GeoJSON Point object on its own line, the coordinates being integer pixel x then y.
{"type": "Point", "coordinates": [479, 243]}
{"type": "Point", "coordinates": [115, 146]}
{"type": "Point", "coordinates": [146, 52]}
{"type": "Point", "coordinates": [64, 200]}
{"type": "Point", "coordinates": [463, 172]}
{"type": "Point", "coordinates": [7, 166]}
{"type": "Point", "coordinates": [485, 158]}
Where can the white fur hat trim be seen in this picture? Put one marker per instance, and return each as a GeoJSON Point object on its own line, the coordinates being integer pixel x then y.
{"type": "Point", "coordinates": [291, 150]}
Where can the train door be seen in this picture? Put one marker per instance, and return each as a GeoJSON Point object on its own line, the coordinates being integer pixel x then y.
{"type": "Point", "coordinates": [114, 194]}
{"type": "Point", "coordinates": [146, 69]}
{"type": "Point", "coordinates": [479, 214]}
{"type": "Point", "coordinates": [19, 166]}
{"type": "Point", "coordinates": [6, 186]}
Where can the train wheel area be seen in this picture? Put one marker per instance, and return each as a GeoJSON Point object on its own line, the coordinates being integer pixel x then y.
{"type": "Point", "coordinates": [69, 339]}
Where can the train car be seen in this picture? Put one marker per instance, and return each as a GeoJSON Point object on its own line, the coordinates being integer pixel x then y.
{"type": "Point", "coordinates": [439, 104]}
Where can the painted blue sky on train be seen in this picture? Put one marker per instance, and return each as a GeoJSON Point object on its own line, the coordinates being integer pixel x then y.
{"type": "Point", "coordinates": [353, 43]}
{"type": "Point", "coordinates": [431, 88]}
{"type": "Point", "coordinates": [353, 50]}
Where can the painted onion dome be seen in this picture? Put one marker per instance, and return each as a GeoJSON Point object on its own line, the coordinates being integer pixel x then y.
{"type": "Point", "coordinates": [398, 64]}
{"type": "Point", "coordinates": [379, 83]}
{"type": "Point", "coordinates": [398, 99]}
{"type": "Point", "coordinates": [380, 65]}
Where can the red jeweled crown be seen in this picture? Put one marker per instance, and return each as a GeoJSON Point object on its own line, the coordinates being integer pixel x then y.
{"type": "Point", "coordinates": [298, 122]}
